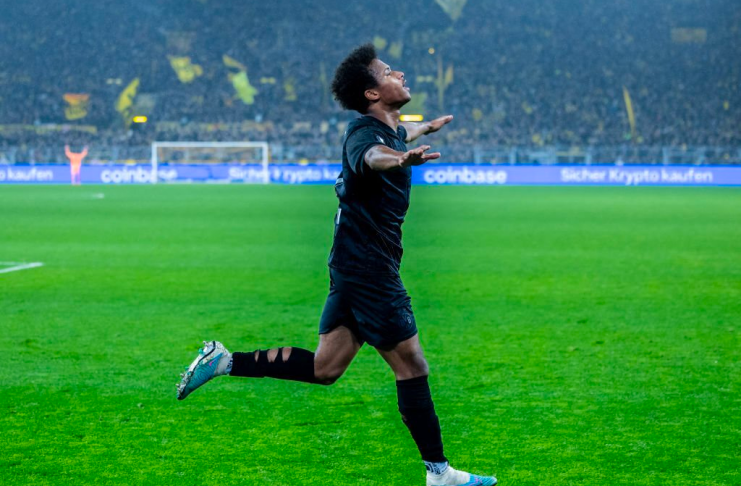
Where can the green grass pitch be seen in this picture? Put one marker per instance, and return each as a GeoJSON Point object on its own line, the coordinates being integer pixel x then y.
{"type": "Point", "coordinates": [584, 336]}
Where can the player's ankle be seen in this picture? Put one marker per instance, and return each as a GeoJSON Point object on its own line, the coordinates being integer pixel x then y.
{"type": "Point", "coordinates": [449, 476]}
{"type": "Point", "coordinates": [437, 468]}
{"type": "Point", "coordinates": [225, 365]}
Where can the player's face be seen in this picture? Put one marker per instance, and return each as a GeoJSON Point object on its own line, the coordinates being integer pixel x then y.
{"type": "Point", "coordinates": [392, 89]}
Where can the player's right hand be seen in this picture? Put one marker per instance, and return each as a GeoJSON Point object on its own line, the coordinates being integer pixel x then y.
{"type": "Point", "coordinates": [417, 156]}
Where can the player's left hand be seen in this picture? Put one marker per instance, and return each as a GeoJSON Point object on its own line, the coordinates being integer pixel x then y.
{"type": "Point", "coordinates": [438, 123]}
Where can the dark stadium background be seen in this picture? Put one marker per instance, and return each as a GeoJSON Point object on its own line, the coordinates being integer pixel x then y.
{"type": "Point", "coordinates": [525, 74]}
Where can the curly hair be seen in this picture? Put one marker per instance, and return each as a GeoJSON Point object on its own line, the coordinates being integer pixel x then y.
{"type": "Point", "coordinates": [353, 77]}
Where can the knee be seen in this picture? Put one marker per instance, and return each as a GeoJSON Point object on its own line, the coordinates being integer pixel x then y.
{"type": "Point", "coordinates": [419, 367]}
{"type": "Point", "coordinates": [414, 366]}
{"type": "Point", "coordinates": [324, 377]}
{"type": "Point", "coordinates": [326, 374]}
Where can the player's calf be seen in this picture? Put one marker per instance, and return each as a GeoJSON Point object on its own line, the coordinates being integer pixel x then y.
{"type": "Point", "coordinates": [294, 364]}
{"type": "Point", "coordinates": [418, 413]}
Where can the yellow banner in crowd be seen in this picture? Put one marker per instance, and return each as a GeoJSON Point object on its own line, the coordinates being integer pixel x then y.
{"type": "Point", "coordinates": [47, 128]}
{"type": "Point", "coordinates": [125, 102]}
{"type": "Point", "coordinates": [444, 79]}
{"type": "Point", "coordinates": [229, 61]}
{"type": "Point", "coordinates": [394, 49]}
{"type": "Point", "coordinates": [631, 114]}
{"type": "Point", "coordinates": [240, 81]}
{"type": "Point", "coordinates": [453, 8]}
{"type": "Point", "coordinates": [289, 87]}
{"type": "Point", "coordinates": [245, 91]}
{"type": "Point", "coordinates": [77, 105]}
{"type": "Point", "coordinates": [126, 98]}
{"type": "Point", "coordinates": [185, 69]}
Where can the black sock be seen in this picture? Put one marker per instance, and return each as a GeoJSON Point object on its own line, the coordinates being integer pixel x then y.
{"type": "Point", "coordinates": [298, 367]}
{"type": "Point", "coordinates": [418, 414]}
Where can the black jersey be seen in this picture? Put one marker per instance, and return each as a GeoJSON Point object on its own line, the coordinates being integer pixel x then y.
{"type": "Point", "coordinates": [373, 204]}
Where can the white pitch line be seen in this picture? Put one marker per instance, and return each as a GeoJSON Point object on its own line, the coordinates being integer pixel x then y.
{"type": "Point", "coordinates": [23, 266]}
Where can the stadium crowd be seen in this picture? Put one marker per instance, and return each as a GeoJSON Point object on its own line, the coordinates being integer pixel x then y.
{"type": "Point", "coordinates": [528, 73]}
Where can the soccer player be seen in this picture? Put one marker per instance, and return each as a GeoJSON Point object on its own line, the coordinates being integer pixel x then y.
{"type": "Point", "coordinates": [367, 301]}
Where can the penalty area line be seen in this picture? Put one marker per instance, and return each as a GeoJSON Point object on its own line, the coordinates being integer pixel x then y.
{"type": "Point", "coordinates": [19, 266]}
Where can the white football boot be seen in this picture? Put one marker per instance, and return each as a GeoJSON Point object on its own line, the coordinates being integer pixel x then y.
{"type": "Point", "coordinates": [212, 360]}
{"type": "Point", "coordinates": [453, 477]}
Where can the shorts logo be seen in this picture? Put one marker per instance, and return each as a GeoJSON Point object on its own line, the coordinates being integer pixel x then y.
{"type": "Point", "coordinates": [407, 320]}
{"type": "Point", "coordinates": [381, 139]}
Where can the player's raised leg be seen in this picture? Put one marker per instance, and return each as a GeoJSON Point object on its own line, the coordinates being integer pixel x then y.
{"type": "Point", "coordinates": [417, 410]}
{"type": "Point", "coordinates": [334, 354]}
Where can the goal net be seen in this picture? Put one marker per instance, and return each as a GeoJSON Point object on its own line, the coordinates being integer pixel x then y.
{"type": "Point", "coordinates": [244, 162]}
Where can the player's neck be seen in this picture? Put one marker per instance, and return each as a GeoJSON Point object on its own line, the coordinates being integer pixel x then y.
{"type": "Point", "coordinates": [388, 115]}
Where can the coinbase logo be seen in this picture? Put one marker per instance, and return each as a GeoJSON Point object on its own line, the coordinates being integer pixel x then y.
{"type": "Point", "coordinates": [126, 175]}
{"type": "Point", "coordinates": [464, 175]}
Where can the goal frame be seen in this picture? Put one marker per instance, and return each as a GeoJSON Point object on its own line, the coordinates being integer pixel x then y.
{"type": "Point", "coordinates": [165, 144]}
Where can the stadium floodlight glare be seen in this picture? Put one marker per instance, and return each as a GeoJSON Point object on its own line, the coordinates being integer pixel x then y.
{"type": "Point", "coordinates": [411, 118]}
{"type": "Point", "coordinates": [139, 119]}
{"type": "Point", "coordinates": [246, 157]}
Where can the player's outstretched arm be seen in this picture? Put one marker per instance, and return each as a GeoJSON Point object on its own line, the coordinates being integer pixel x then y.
{"type": "Point", "coordinates": [382, 158]}
{"type": "Point", "coordinates": [417, 129]}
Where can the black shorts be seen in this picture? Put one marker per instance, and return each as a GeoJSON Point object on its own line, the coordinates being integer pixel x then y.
{"type": "Point", "coordinates": [375, 308]}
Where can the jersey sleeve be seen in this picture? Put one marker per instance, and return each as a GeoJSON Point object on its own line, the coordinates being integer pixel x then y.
{"type": "Point", "coordinates": [358, 143]}
{"type": "Point", "coordinates": [402, 133]}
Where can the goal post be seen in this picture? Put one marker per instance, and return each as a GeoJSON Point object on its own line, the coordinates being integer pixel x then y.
{"type": "Point", "coordinates": [222, 162]}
